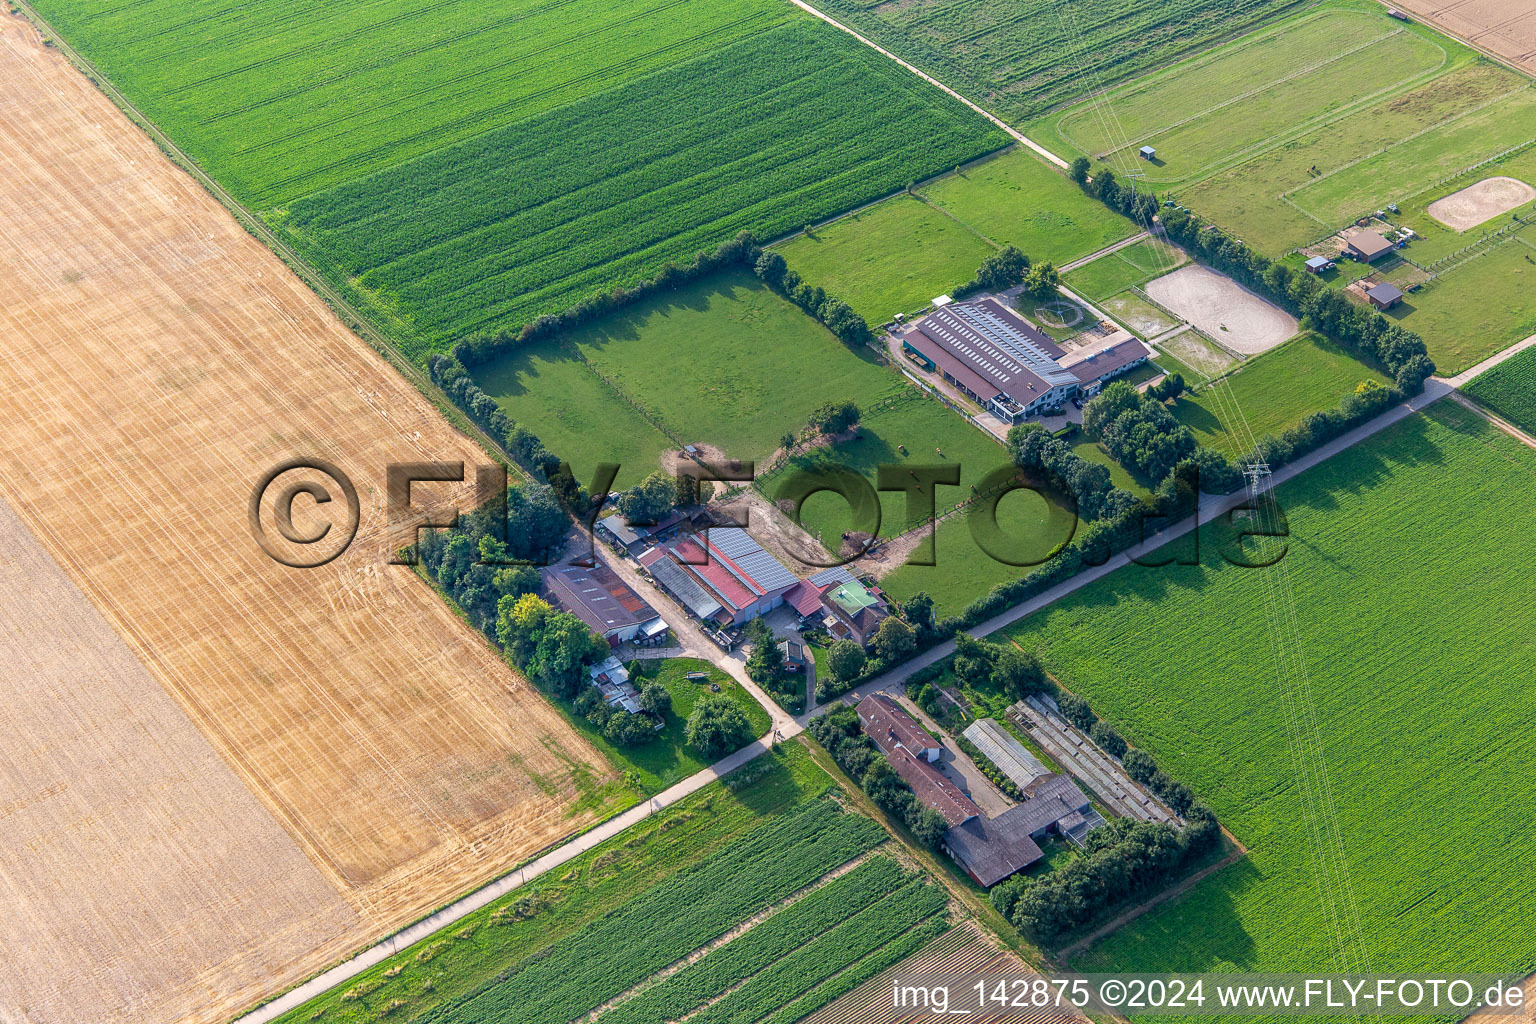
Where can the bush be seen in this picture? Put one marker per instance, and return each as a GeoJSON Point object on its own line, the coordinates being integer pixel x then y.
{"type": "Point", "coordinates": [1139, 765]}
{"type": "Point", "coordinates": [717, 726]}
{"type": "Point", "coordinates": [1108, 739]}
{"type": "Point", "coordinates": [655, 698]}
{"type": "Point", "coordinates": [846, 660]}
{"type": "Point", "coordinates": [1076, 710]}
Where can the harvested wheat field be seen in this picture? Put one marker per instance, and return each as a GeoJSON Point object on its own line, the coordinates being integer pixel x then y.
{"type": "Point", "coordinates": [157, 361]}
{"type": "Point", "coordinates": [1505, 28]}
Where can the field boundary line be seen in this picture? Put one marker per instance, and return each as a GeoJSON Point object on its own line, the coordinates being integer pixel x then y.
{"type": "Point", "coordinates": [310, 275]}
{"type": "Point", "coordinates": [1114, 924]}
{"type": "Point", "coordinates": [1321, 121]}
{"type": "Point", "coordinates": [925, 76]}
{"type": "Point", "coordinates": [1472, 405]}
{"type": "Point", "coordinates": [1155, 132]}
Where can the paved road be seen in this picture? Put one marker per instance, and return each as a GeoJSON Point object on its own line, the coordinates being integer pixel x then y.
{"type": "Point", "coordinates": [1015, 133]}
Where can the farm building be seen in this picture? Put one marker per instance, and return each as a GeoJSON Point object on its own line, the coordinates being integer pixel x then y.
{"type": "Point", "coordinates": [1384, 295]}
{"type": "Point", "coordinates": [991, 849]}
{"type": "Point", "coordinates": [793, 653]}
{"type": "Point", "coordinates": [889, 725]}
{"type": "Point", "coordinates": [1003, 750]}
{"type": "Point", "coordinates": [911, 752]}
{"type": "Point", "coordinates": [1319, 264]}
{"type": "Point", "coordinates": [1368, 246]}
{"type": "Point", "coordinates": [840, 602]}
{"type": "Point", "coordinates": [604, 602]}
{"type": "Point", "coordinates": [1148, 153]}
{"type": "Point", "coordinates": [612, 681]}
{"type": "Point", "coordinates": [616, 530]}
{"type": "Point", "coordinates": [721, 574]}
{"type": "Point", "coordinates": [1009, 367]}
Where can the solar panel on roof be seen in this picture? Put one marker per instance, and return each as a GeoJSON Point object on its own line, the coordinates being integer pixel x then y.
{"type": "Point", "coordinates": [736, 544]}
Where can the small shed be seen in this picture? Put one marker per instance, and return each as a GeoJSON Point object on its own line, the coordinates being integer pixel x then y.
{"type": "Point", "coordinates": [793, 654]}
{"type": "Point", "coordinates": [1148, 153]}
{"type": "Point", "coordinates": [1384, 295]}
{"type": "Point", "coordinates": [1369, 245]}
{"type": "Point", "coordinates": [1318, 264]}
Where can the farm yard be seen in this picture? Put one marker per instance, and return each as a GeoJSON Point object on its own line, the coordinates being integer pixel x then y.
{"type": "Point", "coordinates": [161, 360]}
{"type": "Point", "coordinates": [1426, 525]}
{"type": "Point", "coordinates": [775, 131]}
{"type": "Point", "coordinates": [1020, 63]}
{"type": "Point", "coordinates": [898, 255]}
{"type": "Point", "coordinates": [754, 898]}
{"type": "Point", "coordinates": [1509, 389]}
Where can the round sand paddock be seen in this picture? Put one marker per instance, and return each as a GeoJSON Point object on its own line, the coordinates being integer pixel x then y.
{"type": "Point", "coordinates": [1222, 308]}
{"type": "Point", "coordinates": [1477, 204]}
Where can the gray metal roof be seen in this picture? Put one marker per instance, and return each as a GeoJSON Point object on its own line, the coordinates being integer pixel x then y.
{"type": "Point", "coordinates": [1012, 758]}
{"type": "Point", "coordinates": [836, 574]}
{"type": "Point", "coordinates": [620, 528]}
{"type": "Point", "coordinates": [763, 572]}
{"type": "Point", "coordinates": [684, 587]}
{"type": "Point", "coordinates": [1385, 292]}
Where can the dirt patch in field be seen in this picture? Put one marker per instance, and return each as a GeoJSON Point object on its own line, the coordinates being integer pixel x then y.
{"type": "Point", "coordinates": [1196, 353]}
{"type": "Point", "coordinates": [1238, 318]}
{"type": "Point", "coordinates": [159, 360]}
{"type": "Point", "coordinates": [1140, 316]}
{"type": "Point", "coordinates": [1503, 27]}
{"type": "Point", "coordinates": [1477, 204]}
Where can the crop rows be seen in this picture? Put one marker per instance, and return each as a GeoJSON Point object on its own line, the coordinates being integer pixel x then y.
{"type": "Point", "coordinates": [1024, 59]}
{"type": "Point", "coordinates": [827, 910]}
{"type": "Point", "coordinates": [670, 920]}
{"type": "Point", "coordinates": [1411, 561]}
{"type": "Point", "coordinates": [1509, 389]}
{"type": "Point", "coordinates": [786, 127]}
{"type": "Point", "coordinates": [278, 100]}
{"type": "Point", "coordinates": [815, 962]}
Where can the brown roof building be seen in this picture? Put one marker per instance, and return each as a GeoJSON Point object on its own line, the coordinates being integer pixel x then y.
{"type": "Point", "coordinates": [604, 602]}
{"type": "Point", "coordinates": [1368, 245]}
{"type": "Point", "coordinates": [889, 725]}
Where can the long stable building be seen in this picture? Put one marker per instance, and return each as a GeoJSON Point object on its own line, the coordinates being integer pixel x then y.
{"type": "Point", "coordinates": [721, 574]}
{"type": "Point", "coordinates": [1007, 365]}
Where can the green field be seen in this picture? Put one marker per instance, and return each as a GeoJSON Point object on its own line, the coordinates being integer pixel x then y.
{"type": "Point", "coordinates": [777, 130]}
{"type": "Point", "coordinates": [454, 169]}
{"type": "Point", "coordinates": [278, 101]}
{"type": "Point", "coordinates": [680, 878]}
{"type": "Point", "coordinates": [1509, 389]}
{"type": "Point", "coordinates": [1125, 268]}
{"type": "Point", "coordinates": [964, 571]}
{"type": "Point", "coordinates": [1293, 132]}
{"type": "Point", "coordinates": [1021, 60]}
{"type": "Point", "coordinates": [1271, 392]}
{"type": "Point", "coordinates": [574, 412]}
{"type": "Point", "coordinates": [927, 428]}
{"type": "Point", "coordinates": [894, 257]}
{"type": "Point", "coordinates": [898, 255]}
{"type": "Point", "coordinates": [1017, 199]}
{"type": "Point", "coordinates": [722, 361]}
{"type": "Point", "coordinates": [1411, 564]}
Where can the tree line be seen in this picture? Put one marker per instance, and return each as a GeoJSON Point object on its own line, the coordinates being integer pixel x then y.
{"type": "Point", "coordinates": [841, 732]}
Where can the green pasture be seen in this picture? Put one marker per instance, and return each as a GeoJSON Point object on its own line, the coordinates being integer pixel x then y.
{"type": "Point", "coordinates": [894, 257]}
{"type": "Point", "coordinates": [1271, 392]}
{"type": "Point", "coordinates": [1017, 199]}
{"type": "Point", "coordinates": [906, 429]}
{"type": "Point", "coordinates": [1509, 389]}
{"type": "Point", "coordinates": [1134, 265]}
{"type": "Point", "coordinates": [1394, 547]}
{"type": "Point", "coordinates": [1478, 308]}
{"type": "Point", "coordinates": [1140, 315]}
